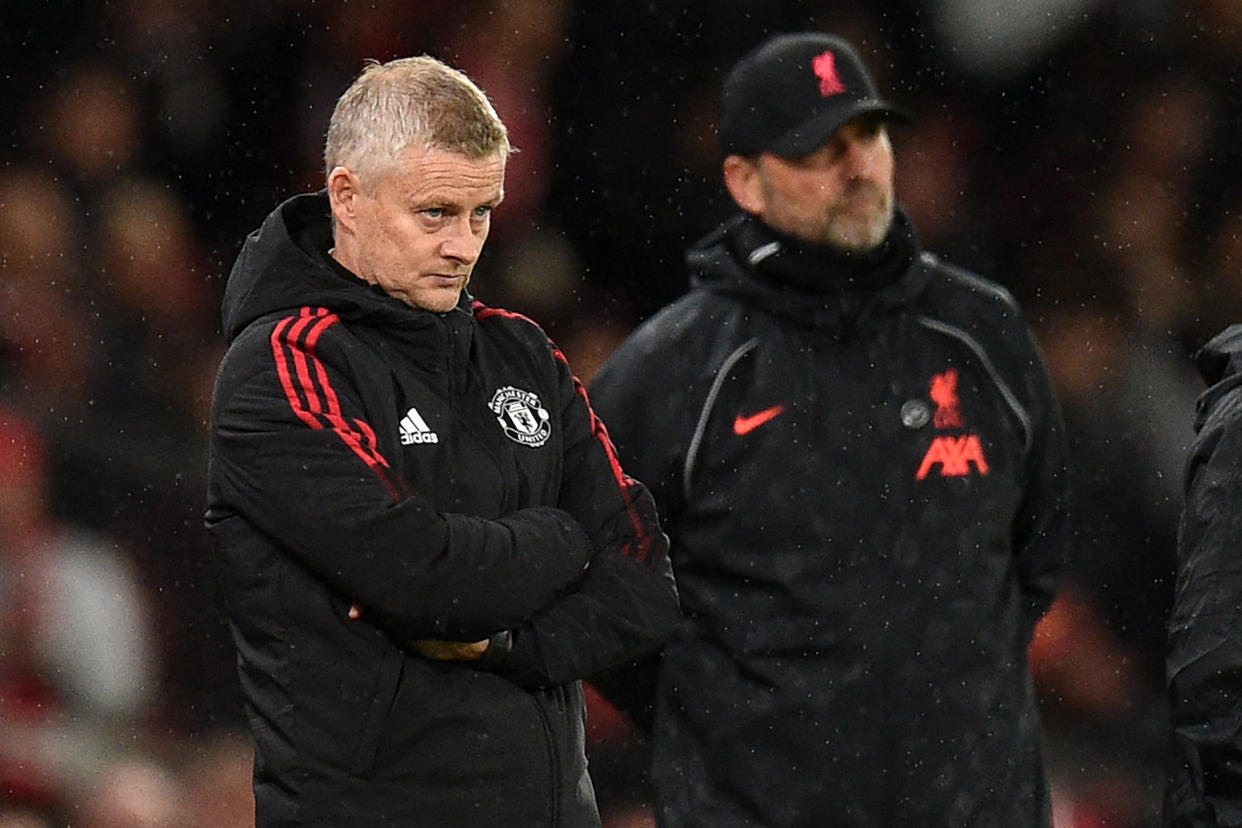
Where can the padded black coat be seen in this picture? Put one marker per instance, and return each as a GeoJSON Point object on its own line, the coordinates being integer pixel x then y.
{"type": "Point", "coordinates": [865, 494]}
{"type": "Point", "coordinates": [447, 473]}
{"type": "Point", "coordinates": [1205, 624]}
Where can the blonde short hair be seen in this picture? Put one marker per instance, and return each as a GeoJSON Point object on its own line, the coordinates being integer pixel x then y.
{"type": "Point", "coordinates": [415, 101]}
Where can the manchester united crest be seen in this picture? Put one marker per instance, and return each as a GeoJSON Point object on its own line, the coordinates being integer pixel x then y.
{"type": "Point", "coordinates": [522, 416]}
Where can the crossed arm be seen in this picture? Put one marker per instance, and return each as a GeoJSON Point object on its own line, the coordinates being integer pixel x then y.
{"type": "Point", "coordinates": [573, 585]}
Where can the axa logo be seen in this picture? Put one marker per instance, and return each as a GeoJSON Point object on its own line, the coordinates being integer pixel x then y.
{"type": "Point", "coordinates": [825, 67]}
{"type": "Point", "coordinates": [956, 455]}
{"type": "Point", "coordinates": [414, 429]}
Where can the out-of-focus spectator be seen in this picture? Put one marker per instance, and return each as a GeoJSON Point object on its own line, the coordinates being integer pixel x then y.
{"type": "Point", "coordinates": [1220, 290]}
{"type": "Point", "coordinates": [39, 228]}
{"type": "Point", "coordinates": [132, 793]}
{"type": "Point", "coordinates": [940, 189]}
{"type": "Point", "coordinates": [89, 124]}
{"type": "Point", "coordinates": [21, 818]}
{"type": "Point", "coordinates": [216, 783]}
{"type": "Point", "coordinates": [79, 666]}
{"type": "Point", "coordinates": [997, 40]}
{"type": "Point", "coordinates": [46, 332]}
{"type": "Point", "coordinates": [512, 50]}
{"type": "Point", "coordinates": [1097, 658]}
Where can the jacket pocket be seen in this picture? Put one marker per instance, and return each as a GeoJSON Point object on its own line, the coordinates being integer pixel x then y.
{"type": "Point", "coordinates": [384, 691]}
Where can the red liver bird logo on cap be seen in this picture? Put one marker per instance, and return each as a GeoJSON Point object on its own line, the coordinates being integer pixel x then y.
{"type": "Point", "coordinates": [825, 66]}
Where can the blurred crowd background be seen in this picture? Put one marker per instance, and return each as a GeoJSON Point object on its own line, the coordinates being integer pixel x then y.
{"type": "Point", "coordinates": [1083, 153]}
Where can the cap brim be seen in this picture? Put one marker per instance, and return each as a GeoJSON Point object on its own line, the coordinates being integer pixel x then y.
{"type": "Point", "coordinates": [814, 133]}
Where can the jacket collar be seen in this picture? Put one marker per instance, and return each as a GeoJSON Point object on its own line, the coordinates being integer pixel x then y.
{"type": "Point", "coordinates": [1220, 364]}
{"type": "Point", "coordinates": [812, 285]}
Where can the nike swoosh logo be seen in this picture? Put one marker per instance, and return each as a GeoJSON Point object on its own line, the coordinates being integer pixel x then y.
{"type": "Point", "coordinates": [746, 424]}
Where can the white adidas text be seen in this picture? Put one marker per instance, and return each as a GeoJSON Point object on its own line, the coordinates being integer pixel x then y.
{"type": "Point", "coordinates": [414, 429]}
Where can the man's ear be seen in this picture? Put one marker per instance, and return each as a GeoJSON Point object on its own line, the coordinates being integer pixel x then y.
{"type": "Point", "coordinates": [343, 195]}
{"type": "Point", "coordinates": [741, 177]}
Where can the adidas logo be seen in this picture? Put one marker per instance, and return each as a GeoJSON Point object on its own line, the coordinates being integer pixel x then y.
{"type": "Point", "coordinates": [414, 429]}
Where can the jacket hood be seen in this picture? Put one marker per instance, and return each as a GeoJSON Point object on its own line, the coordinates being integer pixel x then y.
{"type": "Point", "coordinates": [739, 256]}
{"type": "Point", "coordinates": [284, 265]}
{"type": "Point", "coordinates": [1220, 365]}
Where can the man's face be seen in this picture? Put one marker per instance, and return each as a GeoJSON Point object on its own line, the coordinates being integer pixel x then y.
{"type": "Point", "coordinates": [418, 229]}
{"type": "Point", "coordinates": [840, 195]}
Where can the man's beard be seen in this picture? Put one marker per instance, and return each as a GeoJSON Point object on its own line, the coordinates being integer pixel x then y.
{"type": "Point", "coordinates": [849, 232]}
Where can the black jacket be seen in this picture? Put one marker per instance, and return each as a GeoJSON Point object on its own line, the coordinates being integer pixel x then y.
{"type": "Point", "coordinates": [1205, 625]}
{"type": "Point", "coordinates": [446, 472]}
{"type": "Point", "coordinates": [864, 489]}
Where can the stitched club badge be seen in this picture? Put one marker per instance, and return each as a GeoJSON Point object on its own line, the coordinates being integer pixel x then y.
{"type": "Point", "coordinates": [522, 417]}
{"type": "Point", "coordinates": [954, 455]}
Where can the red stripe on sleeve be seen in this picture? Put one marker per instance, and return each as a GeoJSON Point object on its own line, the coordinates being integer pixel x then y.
{"type": "Point", "coordinates": [279, 351]}
{"type": "Point", "coordinates": [334, 405]}
{"type": "Point", "coordinates": [300, 361]}
{"type": "Point", "coordinates": [308, 377]}
{"type": "Point", "coordinates": [625, 483]}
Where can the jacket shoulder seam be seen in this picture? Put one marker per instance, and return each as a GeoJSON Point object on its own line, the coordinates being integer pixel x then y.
{"type": "Point", "coordinates": [971, 281]}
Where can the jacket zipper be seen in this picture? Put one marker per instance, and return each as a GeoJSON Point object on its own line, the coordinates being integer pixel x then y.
{"type": "Point", "coordinates": [554, 764]}
{"type": "Point", "coordinates": [700, 428]}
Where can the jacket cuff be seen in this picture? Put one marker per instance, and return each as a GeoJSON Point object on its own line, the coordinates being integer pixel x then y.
{"type": "Point", "coordinates": [499, 646]}
{"type": "Point", "coordinates": [520, 661]}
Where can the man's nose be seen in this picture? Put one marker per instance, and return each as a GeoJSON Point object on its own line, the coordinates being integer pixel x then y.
{"type": "Point", "coordinates": [463, 242]}
{"type": "Point", "coordinates": [861, 157]}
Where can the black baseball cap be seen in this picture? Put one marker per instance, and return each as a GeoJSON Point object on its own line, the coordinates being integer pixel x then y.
{"type": "Point", "coordinates": [792, 92]}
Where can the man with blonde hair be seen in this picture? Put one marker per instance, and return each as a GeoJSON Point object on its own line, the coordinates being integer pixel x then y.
{"type": "Point", "coordinates": [426, 540]}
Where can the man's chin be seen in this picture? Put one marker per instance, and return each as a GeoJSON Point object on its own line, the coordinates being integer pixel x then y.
{"type": "Point", "coordinates": [437, 301]}
{"type": "Point", "coordinates": [861, 238]}
{"type": "Point", "coordinates": [856, 244]}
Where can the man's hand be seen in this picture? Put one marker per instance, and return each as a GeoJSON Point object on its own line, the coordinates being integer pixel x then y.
{"type": "Point", "coordinates": [450, 650]}
{"type": "Point", "coordinates": [438, 650]}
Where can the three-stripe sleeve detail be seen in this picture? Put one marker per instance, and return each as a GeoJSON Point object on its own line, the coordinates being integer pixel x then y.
{"type": "Point", "coordinates": [310, 394]}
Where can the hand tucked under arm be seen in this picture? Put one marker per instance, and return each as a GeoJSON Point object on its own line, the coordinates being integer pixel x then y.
{"type": "Point", "coordinates": [437, 650]}
{"type": "Point", "coordinates": [440, 650]}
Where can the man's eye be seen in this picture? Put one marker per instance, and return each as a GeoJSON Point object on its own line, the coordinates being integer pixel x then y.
{"type": "Point", "coordinates": [482, 212]}
{"type": "Point", "coordinates": [434, 212]}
